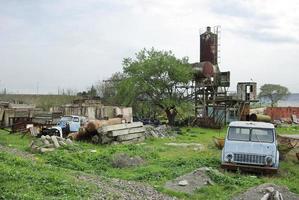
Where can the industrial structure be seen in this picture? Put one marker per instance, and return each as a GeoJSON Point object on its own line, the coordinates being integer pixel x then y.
{"type": "Point", "coordinates": [213, 106]}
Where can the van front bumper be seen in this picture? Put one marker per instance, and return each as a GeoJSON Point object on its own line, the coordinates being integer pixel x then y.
{"type": "Point", "coordinates": [251, 168]}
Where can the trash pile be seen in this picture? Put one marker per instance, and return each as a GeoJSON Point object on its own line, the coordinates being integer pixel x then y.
{"type": "Point", "coordinates": [120, 134]}
{"type": "Point", "coordinates": [159, 131]}
{"type": "Point", "coordinates": [48, 143]}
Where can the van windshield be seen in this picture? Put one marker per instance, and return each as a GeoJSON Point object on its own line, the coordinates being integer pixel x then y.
{"type": "Point", "coordinates": [251, 134]}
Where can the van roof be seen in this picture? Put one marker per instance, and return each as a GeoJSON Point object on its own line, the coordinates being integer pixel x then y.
{"type": "Point", "coordinates": [251, 124]}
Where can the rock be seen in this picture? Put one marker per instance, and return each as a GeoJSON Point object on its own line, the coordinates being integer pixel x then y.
{"type": "Point", "coordinates": [44, 150]}
{"type": "Point", "coordinates": [54, 139]}
{"type": "Point", "coordinates": [95, 139]}
{"type": "Point", "coordinates": [62, 143]}
{"type": "Point", "coordinates": [269, 189]}
{"type": "Point", "coordinates": [48, 137]}
{"type": "Point", "coordinates": [277, 196]}
{"type": "Point", "coordinates": [266, 196]}
{"type": "Point", "coordinates": [183, 183]}
{"type": "Point", "coordinates": [105, 139]}
{"type": "Point", "coordinates": [46, 142]}
{"type": "Point", "coordinates": [209, 182]}
{"type": "Point", "coordinates": [60, 138]}
{"type": "Point", "coordinates": [43, 137]}
{"type": "Point", "coordinates": [122, 160]}
{"type": "Point", "coordinates": [69, 141]}
{"type": "Point", "coordinates": [93, 151]}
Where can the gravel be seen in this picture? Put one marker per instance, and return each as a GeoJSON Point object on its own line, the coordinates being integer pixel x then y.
{"type": "Point", "coordinates": [121, 189]}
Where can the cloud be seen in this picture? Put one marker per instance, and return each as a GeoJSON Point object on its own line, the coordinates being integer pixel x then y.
{"type": "Point", "coordinates": [259, 20]}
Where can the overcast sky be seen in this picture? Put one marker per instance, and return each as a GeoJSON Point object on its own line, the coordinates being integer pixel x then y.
{"type": "Point", "coordinates": [53, 44]}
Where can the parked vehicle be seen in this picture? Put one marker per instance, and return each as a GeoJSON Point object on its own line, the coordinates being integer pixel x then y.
{"type": "Point", "coordinates": [66, 125]}
{"type": "Point", "coordinates": [251, 146]}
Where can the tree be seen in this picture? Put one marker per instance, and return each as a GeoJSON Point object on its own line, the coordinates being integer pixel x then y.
{"type": "Point", "coordinates": [273, 92]}
{"type": "Point", "coordinates": [107, 89]}
{"type": "Point", "coordinates": [153, 76]}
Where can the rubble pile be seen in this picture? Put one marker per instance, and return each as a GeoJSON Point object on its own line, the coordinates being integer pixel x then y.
{"type": "Point", "coordinates": [120, 134]}
{"type": "Point", "coordinates": [158, 132]}
{"type": "Point", "coordinates": [48, 143]}
{"type": "Point", "coordinates": [268, 191]}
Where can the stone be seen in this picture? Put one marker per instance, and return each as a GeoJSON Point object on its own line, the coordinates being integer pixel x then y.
{"type": "Point", "coordinates": [183, 183]}
{"type": "Point", "coordinates": [44, 150]}
{"type": "Point", "coordinates": [48, 137]}
{"type": "Point", "coordinates": [266, 196]}
{"type": "Point", "coordinates": [62, 143]}
{"type": "Point", "coordinates": [106, 140]}
{"type": "Point", "coordinates": [93, 151]}
{"type": "Point", "coordinates": [95, 139]}
{"type": "Point", "coordinates": [46, 142]}
{"type": "Point", "coordinates": [269, 189]}
{"type": "Point", "coordinates": [69, 141]}
{"type": "Point", "coordinates": [55, 142]}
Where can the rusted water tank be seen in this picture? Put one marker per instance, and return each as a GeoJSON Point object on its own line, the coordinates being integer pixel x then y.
{"type": "Point", "coordinates": [209, 46]}
{"type": "Point", "coordinates": [204, 69]}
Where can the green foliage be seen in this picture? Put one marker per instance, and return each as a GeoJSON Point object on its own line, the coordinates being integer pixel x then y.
{"type": "Point", "coordinates": [153, 76]}
{"type": "Point", "coordinates": [23, 179]}
{"type": "Point", "coordinates": [273, 92]}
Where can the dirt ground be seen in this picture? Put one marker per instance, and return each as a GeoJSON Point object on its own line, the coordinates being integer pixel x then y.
{"type": "Point", "coordinates": [195, 180]}
{"type": "Point", "coordinates": [258, 192]}
{"type": "Point", "coordinates": [121, 189]}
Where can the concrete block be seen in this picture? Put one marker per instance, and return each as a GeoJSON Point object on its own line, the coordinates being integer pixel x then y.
{"type": "Point", "coordinates": [126, 131]}
{"type": "Point", "coordinates": [119, 127]}
{"type": "Point", "coordinates": [129, 136]}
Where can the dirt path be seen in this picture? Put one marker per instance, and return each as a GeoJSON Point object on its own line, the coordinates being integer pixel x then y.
{"type": "Point", "coordinates": [18, 152]}
{"type": "Point", "coordinates": [121, 189]}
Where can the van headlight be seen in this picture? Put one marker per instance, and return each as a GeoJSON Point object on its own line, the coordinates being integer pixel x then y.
{"type": "Point", "coordinates": [229, 157]}
{"type": "Point", "coordinates": [269, 160]}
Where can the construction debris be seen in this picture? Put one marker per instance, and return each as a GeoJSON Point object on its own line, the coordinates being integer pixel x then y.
{"type": "Point", "coordinates": [48, 143]}
{"type": "Point", "coordinates": [159, 131]}
{"type": "Point", "coordinates": [268, 191]}
{"type": "Point", "coordinates": [120, 134]}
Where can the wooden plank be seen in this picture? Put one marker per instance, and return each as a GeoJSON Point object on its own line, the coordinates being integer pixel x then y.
{"type": "Point", "coordinates": [126, 131]}
{"type": "Point", "coordinates": [129, 137]}
{"type": "Point", "coordinates": [119, 127]}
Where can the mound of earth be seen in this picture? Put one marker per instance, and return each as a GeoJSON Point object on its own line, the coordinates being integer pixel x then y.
{"type": "Point", "coordinates": [122, 189]}
{"type": "Point", "coordinates": [190, 182]}
{"type": "Point", "coordinates": [262, 191]}
{"type": "Point", "coordinates": [122, 160]}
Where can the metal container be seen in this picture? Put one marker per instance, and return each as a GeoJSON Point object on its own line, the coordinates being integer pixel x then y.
{"type": "Point", "coordinates": [204, 69]}
{"type": "Point", "coordinates": [260, 118]}
{"type": "Point", "coordinates": [209, 46]}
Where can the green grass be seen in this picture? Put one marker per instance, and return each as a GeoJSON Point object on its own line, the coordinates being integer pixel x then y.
{"type": "Point", "coordinates": [162, 163]}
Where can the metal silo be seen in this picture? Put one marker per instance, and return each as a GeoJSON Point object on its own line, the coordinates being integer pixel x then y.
{"type": "Point", "coordinates": [209, 46]}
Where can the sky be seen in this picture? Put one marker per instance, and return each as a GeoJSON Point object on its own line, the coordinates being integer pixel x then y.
{"type": "Point", "coordinates": [50, 45]}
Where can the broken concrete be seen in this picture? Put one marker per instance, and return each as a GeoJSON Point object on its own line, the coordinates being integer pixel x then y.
{"type": "Point", "coordinates": [267, 191]}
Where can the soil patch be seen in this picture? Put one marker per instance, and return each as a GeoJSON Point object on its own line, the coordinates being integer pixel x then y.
{"type": "Point", "coordinates": [121, 189]}
{"type": "Point", "coordinates": [190, 182]}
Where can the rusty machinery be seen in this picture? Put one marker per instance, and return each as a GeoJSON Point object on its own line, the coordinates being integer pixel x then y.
{"type": "Point", "coordinates": [210, 87]}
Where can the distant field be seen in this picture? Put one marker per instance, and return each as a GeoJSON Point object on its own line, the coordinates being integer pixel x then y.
{"type": "Point", "coordinates": [41, 101]}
